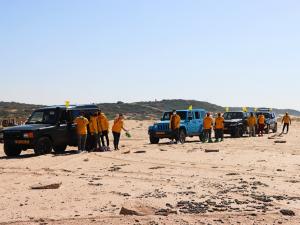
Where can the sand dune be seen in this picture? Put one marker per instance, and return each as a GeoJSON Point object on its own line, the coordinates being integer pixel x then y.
{"type": "Point", "coordinates": [249, 181]}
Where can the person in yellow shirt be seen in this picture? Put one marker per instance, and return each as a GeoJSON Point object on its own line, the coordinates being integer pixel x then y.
{"type": "Point", "coordinates": [175, 125]}
{"type": "Point", "coordinates": [261, 124]}
{"type": "Point", "coordinates": [103, 123]}
{"type": "Point", "coordinates": [219, 128]}
{"type": "Point", "coordinates": [93, 126]}
{"type": "Point", "coordinates": [81, 126]}
{"type": "Point", "coordinates": [252, 122]}
{"type": "Point", "coordinates": [117, 128]}
{"type": "Point", "coordinates": [286, 120]}
{"type": "Point", "coordinates": [207, 126]}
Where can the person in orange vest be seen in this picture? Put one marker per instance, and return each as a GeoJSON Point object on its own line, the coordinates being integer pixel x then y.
{"type": "Point", "coordinates": [286, 120]}
{"type": "Point", "coordinates": [81, 126]}
{"type": "Point", "coordinates": [117, 128]}
{"type": "Point", "coordinates": [104, 126]}
{"type": "Point", "coordinates": [252, 122]}
{"type": "Point", "coordinates": [207, 126]}
{"type": "Point", "coordinates": [261, 125]}
{"type": "Point", "coordinates": [93, 126]}
{"type": "Point", "coordinates": [175, 125]}
{"type": "Point", "coordinates": [219, 128]}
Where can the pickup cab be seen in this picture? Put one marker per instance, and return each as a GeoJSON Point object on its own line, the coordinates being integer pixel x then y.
{"type": "Point", "coordinates": [191, 125]}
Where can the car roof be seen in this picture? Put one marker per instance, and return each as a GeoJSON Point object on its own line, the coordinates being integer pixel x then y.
{"type": "Point", "coordinates": [72, 107]}
{"type": "Point", "coordinates": [186, 110]}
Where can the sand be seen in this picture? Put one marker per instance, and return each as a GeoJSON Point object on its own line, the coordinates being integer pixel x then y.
{"type": "Point", "coordinates": [249, 181]}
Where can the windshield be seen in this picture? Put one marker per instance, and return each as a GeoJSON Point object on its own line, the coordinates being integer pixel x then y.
{"type": "Point", "coordinates": [233, 115]}
{"type": "Point", "coordinates": [267, 115]}
{"type": "Point", "coordinates": [167, 115]}
{"type": "Point", "coordinates": [43, 117]}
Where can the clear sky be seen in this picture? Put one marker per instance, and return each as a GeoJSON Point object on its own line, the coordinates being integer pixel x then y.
{"type": "Point", "coordinates": [228, 52]}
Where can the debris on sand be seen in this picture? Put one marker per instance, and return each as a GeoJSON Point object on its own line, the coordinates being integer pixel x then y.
{"type": "Point", "coordinates": [48, 186]}
{"type": "Point", "coordinates": [86, 160]}
{"type": "Point", "coordinates": [287, 212]}
{"type": "Point", "coordinates": [211, 150]}
{"type": "Point", "coordinates": [126, 152]}
{"type": "Point", "coordinates": [165, 212]}
{"type": "Point", "coordinates": [279, 142]}
{"type": "Point", "coordinates": [232, 174]}
{"type": "Point", "coordinates": [137, 209]}
{"type": "Point", "coordinates": [156, 168]}
{"type": "Point", "coordinates": [138, 152]}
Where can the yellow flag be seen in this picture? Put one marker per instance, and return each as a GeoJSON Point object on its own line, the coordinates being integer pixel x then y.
{"type": "Point", "coordinates": [67, 103]}
{"type": "Point", "coordinates": [190, 107]}
{"type": "Point", "coordinates": [245, 109]}
{"type": "Point", "coordinates": [227, 109]}
{"type": "Point", "coordinates": [255, 109]}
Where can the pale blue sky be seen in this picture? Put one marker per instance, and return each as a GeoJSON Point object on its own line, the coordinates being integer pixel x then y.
{"type": "Point", "coordinates": [229, 52]}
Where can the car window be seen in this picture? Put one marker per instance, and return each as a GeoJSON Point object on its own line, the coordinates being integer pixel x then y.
{"type": "Point", "coordinates": [167, 115]}
{"type": "Point", "coordinates": [197, 115]}
{"type": "Point", "coordinates": [48, 116]}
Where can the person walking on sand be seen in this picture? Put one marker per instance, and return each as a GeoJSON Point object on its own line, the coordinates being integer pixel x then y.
{"type": "Point", "coordinates": [207, 126]}
{"type": "Point", "coordinates": [219, 128]}
{"type": "Point", "coordinates": [81, 127]}
{"type": "Point", "coordinates": [261, 125]}
{"type": "Point", "coordinates": [175, 125]}
{"type": "Point", "coordinates": [286, 120]}
{"type": "Point", "coordinates": [117, 128]}
{"type": "Point", "coordinates": [104, 126]}
{"type": "Point", "coordinates": [93, 126]}
{"type": "Point", "coordinates": [252, 125]}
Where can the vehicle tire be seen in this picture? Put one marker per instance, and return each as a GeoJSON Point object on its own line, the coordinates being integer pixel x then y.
{"type": "Point", "coordinates": [182, 136]}
{"type": "Point", "coordinates": [43, 146]}
{"type": "Point", "coordinates": [12, 150]}
{"type": "Point", "coordinates": [201, 137]}
{"type": "Point", "coordinates": [238, 132]}
{"type": "Point", "coordinates": [154, 140]}
{"type": "Point", "coordinates": [59, 148]}
{"type": "Point", "coordinates": [275, 128]}
{"type": "Point", "coordinates": [268, 129]}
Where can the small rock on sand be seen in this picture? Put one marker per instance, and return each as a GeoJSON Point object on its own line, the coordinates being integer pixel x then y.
{"type": "Point", "coordinates": [48, 186]}
{"type": "Point", "coordinates": [211, 150]}
{"type": "Point", "coordinates": [287, 212]}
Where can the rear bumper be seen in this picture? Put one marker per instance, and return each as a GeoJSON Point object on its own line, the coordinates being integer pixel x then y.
{"type": "Point", "coordinates": [161, 134]}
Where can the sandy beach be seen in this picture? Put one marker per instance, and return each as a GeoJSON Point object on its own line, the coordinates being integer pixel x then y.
{"type": "Point", "coordinates": [249, 181]}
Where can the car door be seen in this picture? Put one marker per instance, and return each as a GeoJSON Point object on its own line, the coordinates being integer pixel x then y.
{"type": "Point", "coordinates": [61, 133]}
{"type": "Point", "coordinates": [198, 122]}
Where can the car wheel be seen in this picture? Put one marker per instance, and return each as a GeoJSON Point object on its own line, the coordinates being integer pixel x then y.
{"type": "Point", "coordinates": [201, 137]}
{"type": "Point", "coordinates": [268, 129]}
{"type": "Point", "coordinates": [43, 146]}
{"type": "Point", "coordinates": [275, 128]}
{"type": "Point", "coordinates": [238, 132]}
{"type": "Point", "coordinates": [59, 148]}
{"type": "Point", "coordinates": [12, 150]}
{"type": "Point", "coordinates": [182, 136]}
{"type": "Point", "coordinates": [154, 140]}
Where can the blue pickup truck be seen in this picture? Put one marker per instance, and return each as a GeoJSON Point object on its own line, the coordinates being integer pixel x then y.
{"type": "Point", "coordinates": [191, 125]}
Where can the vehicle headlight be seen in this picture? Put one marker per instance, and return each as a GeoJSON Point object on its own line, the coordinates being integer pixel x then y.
{"type": "Point", "coordinates": [28, 135]}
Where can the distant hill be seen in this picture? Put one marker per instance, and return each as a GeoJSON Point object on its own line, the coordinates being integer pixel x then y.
{"type": "Point", "coordinates": [136, 110]}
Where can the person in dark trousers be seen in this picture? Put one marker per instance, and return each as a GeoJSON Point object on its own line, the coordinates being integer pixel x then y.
{"type": "Point", "coordinates": [103, 123]}
{"type": "Point", "coordinates": [116, 130]}
{"type": "Point", "coordinates": [219, 128]}
{"type": "Point", "coordinates": [175, 125]}
{"type": "Point", "coordinates": [93, 126]}
{"type": "Point", "coordinates": [207, 126]}
{"type": "Point", "coordinates": [261, 124]}
{"type": "Point", "coordinates": [286, 120]}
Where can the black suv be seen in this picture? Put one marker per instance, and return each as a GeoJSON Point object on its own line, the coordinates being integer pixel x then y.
{"type": "Point", "coordinates": [46, 129]}
{"type": "Point", "coordinates": [236, 123]}
{"type": "Point", "coordinates": [271, 119]}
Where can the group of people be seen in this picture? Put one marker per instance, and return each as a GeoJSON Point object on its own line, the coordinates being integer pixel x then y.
{"type": "Point", "coordinates": [256, 125]}
{"type": "Point", "coordinates": [98, 127]}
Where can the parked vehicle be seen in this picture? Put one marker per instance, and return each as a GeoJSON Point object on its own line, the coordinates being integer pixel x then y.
{"type": "Point", "coordinates": [271, 119]}
{"type": "Point", "coordinates": [47, 129]}
{"type": "Point", "coordinates": [235, 123]}
{"type": "Point", "coordinates": [191, 125]}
